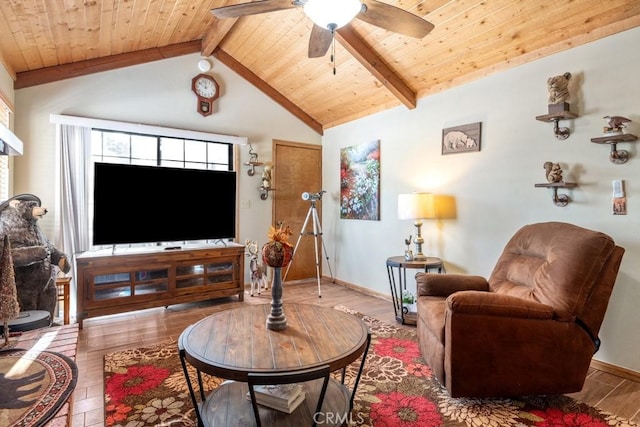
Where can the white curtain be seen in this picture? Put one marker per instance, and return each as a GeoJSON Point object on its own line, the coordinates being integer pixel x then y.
{"type": "Point", "coordinates": [74, 144]}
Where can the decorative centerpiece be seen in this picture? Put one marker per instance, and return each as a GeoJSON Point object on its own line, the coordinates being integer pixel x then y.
{"type": "Point", "coordinates": [277, 253]}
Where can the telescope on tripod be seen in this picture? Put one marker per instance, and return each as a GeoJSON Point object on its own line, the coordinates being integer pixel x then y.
{"type": "Point", "coordinates": [312, 215]}
{"type": "Point", "coordinates": [312, 196]}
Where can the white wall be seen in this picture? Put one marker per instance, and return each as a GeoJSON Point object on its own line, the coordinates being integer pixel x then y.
{"type": "Point", "coordinates": [494, 188]}
{"type": "Point", "coordinates": [157, 93]}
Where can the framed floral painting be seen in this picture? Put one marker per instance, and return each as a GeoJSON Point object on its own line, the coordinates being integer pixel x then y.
{"type": "Point", "coordinates": [360, 181]}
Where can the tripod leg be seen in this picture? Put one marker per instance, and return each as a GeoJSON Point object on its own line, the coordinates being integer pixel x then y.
{"type": "Point", "coordinates": [295, 248]}
{"type": "Point", "coordinates": [324, 248]}
{"type": "Point", "coordinates": [315, 245]}
{"type": "Point", "coordinates": [326, 255]}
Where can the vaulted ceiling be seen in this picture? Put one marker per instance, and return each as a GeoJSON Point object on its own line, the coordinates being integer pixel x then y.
{"type": "Point", "coordinates": [47, 40]}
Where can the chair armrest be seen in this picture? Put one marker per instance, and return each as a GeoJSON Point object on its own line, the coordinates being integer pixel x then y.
{"type": "Point", "coordinates": [442, 285]}
{"type": "Point", "coordinates": [492, 304]}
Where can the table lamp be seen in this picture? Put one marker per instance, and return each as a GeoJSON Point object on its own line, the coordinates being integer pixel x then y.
{"type": "Point", "coordinates": [417, 206]}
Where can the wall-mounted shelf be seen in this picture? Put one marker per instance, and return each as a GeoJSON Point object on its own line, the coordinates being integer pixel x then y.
{"type": "Point", "coordinates": [252, 170]}
{"type": "Point", "coordinates": [264, 192]}
{"type": "Point", "coordinates": [561, 133]}
{"type": "Point", "coordinates": [616, 156]}
{"type": "Point", "coordinates": [558, 199]}
{"type": "Point", "coordinates": [253, 161]}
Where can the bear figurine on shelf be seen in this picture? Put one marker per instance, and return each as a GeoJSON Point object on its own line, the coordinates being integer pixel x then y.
{"type": "Point", "coordinates": [36, 260]}
{"type": "Point", "coordinates": [558, 87]}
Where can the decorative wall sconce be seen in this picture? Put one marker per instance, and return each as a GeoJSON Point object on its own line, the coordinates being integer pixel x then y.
{"type": "Point", "coordinates": [558, 87]}
{"type": "Point", "coordinates": [613, 134]}
{"type": "Point", "coordinates": [561, 133]}
{"type": "Point", "coordinates": [264, 192]}
{"type": "Point", "coordinates": [266, 181]}
{"type": "Point", "coordinates": [553, 173]}
{"type": "Point", "coordinates": [560, 200]}
{"type": "Point", "coordinates": [265, 186]}
{"type": "Point", "coordinates": [253, 161]}
{"type": "Point", "coordinates": [616, 156]}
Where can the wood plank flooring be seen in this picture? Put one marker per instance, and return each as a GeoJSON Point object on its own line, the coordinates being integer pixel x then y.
{"type": "Point", "coordinates": [124, 331]}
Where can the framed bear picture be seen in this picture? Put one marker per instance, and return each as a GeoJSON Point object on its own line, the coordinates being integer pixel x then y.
{"type": "Point", "coordinates": [460, 139]}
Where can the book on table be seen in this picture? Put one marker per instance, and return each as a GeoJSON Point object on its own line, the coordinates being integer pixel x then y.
{"type": "Point", "coordinates": [282, 397]}
{"type": "Point", "coordinates": [286, 408]}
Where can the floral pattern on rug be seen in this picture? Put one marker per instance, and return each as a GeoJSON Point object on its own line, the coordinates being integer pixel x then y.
{"type": "Point", "coordinates": [146, 387]}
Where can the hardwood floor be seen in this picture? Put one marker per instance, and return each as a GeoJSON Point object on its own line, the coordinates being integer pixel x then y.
{"type": "Point", "coordinates": [119, 332]}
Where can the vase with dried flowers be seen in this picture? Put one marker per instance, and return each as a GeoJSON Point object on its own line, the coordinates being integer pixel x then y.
{"type": "Point", "coordinates": [277, 253]}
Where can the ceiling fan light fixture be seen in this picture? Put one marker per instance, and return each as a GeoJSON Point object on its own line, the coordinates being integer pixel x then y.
{"type": "Point", "coordinates": [332, 14]}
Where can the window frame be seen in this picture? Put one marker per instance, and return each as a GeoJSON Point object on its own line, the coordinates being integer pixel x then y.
{"type": "Point", "coordinates": [159, 160]}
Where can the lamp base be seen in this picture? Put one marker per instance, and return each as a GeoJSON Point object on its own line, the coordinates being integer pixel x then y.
{"type": "Point", "coordinates": [419, 256]}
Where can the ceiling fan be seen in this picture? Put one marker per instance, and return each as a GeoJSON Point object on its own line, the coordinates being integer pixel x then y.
{"type": "Point", "coordinates": [329, 15]}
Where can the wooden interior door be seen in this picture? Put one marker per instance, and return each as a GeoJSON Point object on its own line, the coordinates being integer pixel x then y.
{"type": "Point", "coordinates": [297, 168]}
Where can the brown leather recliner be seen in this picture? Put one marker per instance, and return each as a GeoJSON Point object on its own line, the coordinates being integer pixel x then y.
{"type": "Point", "coordinates": [532, 328]}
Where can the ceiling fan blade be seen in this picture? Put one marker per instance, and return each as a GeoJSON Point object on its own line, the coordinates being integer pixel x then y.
{"type": "Point", "coordinates": [319, 41]}
{"type": "Point", "coordinates": [253, 8]}
{"type": "Point", "coordinates": [394, 19]}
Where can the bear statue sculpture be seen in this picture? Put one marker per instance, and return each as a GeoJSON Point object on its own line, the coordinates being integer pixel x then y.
{"type": "Point", "coordinates": [35, 259]}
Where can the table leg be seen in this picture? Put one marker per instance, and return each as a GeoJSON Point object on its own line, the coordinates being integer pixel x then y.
{"type": "Point", "coordinates": [187, 377]}
{"type": "Point", "coordinates": [396, 295]}
{"type": "Point", "coordinates": [364, 358]}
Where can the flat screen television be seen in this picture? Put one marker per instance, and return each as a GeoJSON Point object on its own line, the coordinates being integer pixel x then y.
{"type": "Point", "coordinates": [147, 204]}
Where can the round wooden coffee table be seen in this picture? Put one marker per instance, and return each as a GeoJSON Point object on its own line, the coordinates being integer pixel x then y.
{"type": "Point", "coordinates": [233, 343]}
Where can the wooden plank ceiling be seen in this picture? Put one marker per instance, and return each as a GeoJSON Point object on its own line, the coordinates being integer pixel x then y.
{"type": "Point", "coordinates": [47, 40]}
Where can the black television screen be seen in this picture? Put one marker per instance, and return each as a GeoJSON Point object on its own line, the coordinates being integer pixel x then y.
{"type": "Point", "coordinates": [144, 204]}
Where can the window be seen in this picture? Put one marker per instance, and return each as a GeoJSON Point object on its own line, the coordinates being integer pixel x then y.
{"type": "Point", "coordinates": [111, 146]}
{"type": "Point", "coordinates": [85, 140]}
{"type": "Point", "coordinates": [151, 150]}
{"type": "Point", "coordinates": [5, 118]}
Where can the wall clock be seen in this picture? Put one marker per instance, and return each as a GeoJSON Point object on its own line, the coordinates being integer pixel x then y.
{"type": "Point", "coordinates": [207, 90]}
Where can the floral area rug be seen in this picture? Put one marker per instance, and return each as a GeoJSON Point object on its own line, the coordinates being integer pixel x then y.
{"type": "Point", "coordinates": [146, 387]}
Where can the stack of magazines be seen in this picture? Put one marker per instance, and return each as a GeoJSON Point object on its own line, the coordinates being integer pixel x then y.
{"type": "Point", "coordinates": [282, 397]}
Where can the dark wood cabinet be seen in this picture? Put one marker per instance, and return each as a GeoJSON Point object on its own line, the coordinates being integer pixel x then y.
{"type": "Point", "coordinates": [135, 279]}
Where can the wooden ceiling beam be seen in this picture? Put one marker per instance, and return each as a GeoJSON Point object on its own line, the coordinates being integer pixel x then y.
{"type": "Point", "coordinates": [268, 90]}
{"type": "Point", "coordinates": [360, 50]}
{"type": "Point", "coordinates": [95, 65]}
{"type": "Point", "coordinates": [215, 34]}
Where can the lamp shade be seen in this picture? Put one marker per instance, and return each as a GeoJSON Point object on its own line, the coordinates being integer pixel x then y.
{"type": "Point", "coordinates": [332, 14]}
{"type": "Point", "coordinates": [416, 206]}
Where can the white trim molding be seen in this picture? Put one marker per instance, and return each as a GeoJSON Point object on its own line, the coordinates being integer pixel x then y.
{"type": "Point", "coordinates": [61, 119]}
{"type": "Point", "coordinates": [10, 144]}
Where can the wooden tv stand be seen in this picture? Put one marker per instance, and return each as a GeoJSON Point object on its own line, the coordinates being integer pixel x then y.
{"type": "Point", "coordinates": [139, 278]}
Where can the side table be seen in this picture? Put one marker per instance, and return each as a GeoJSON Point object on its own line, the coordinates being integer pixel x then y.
{"type": "Point", "coordinates": [62, 284]}
{"type": "Point", "coordinates": [397, 271]}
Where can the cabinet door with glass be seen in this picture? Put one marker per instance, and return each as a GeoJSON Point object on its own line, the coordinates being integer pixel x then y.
{"type": "Point", "coordinates": [206, 274]}
{"type": "Point", "coordinates": [104, 285]}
